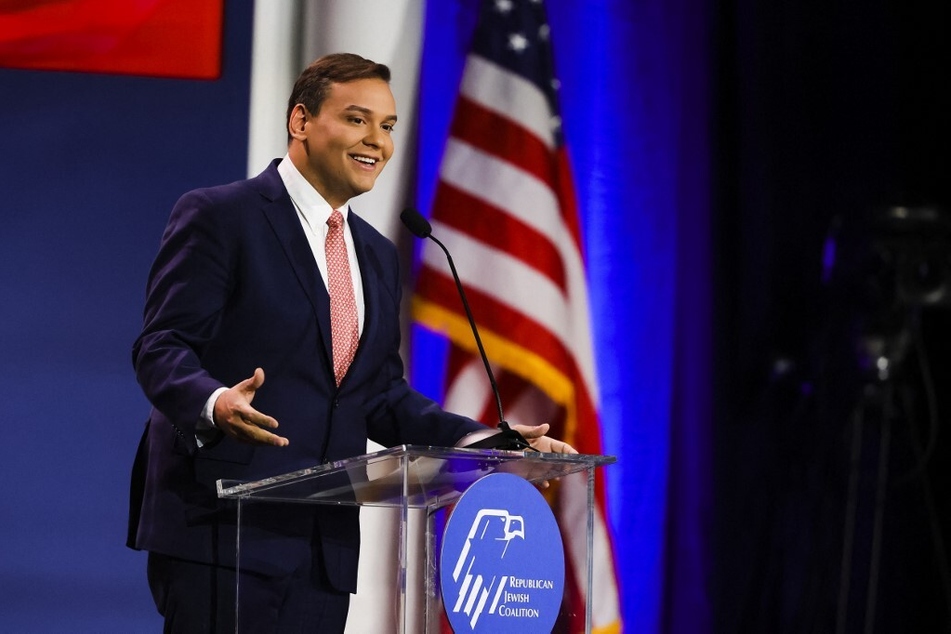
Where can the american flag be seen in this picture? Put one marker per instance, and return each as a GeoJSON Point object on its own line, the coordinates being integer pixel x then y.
{"type": "Point", "coordinates": [506, 209]}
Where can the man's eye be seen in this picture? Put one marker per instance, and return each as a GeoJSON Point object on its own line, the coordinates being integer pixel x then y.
{"type": "Point", "coordinates": [356, 120]}
{"type": "Point", "coordinates": [388, 127]}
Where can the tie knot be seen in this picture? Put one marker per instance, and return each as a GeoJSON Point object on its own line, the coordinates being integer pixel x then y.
{"type": "Point", "coordinates": [336, 219]}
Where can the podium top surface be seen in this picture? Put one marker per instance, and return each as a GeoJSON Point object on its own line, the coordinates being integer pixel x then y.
{"type": "Point", "coordinates": [411, 475]}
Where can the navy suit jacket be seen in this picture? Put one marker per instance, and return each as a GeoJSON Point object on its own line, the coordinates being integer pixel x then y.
{"type": "Point", "coordinates": [234, 287]}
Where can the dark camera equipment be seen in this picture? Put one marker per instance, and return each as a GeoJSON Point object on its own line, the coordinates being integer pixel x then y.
{"type": "Point", "coordinates": [883, 271]}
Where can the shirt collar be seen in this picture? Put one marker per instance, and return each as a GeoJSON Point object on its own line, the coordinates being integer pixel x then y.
{"type": "Point", "coordinates": [305, 197]}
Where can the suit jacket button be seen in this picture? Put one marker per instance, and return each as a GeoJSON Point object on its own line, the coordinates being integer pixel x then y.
{"type": "Point", "coordinates": [336, 403]}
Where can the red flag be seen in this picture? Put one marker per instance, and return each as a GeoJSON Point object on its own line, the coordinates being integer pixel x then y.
{"type": "Point", "coordinates": [167, 38]}
{"type": "Point", "coordinates": [506, 209]}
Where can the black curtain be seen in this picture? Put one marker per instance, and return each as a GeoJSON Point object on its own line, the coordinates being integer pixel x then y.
{"type": "Point", "coordinates": [832, 457]}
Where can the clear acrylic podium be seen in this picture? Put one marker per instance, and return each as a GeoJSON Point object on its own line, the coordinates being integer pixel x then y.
{"type": "Point", "coordinates": [417, 477]}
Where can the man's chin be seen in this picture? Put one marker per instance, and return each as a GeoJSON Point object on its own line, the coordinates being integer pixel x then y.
{"type": "Point", "coordinates": [363, 186]}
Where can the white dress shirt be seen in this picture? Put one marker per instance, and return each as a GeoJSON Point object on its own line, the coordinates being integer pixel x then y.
{"type": "Point", "coordinates": [313, 212]}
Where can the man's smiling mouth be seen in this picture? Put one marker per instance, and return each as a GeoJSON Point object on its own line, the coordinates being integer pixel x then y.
{"type": "Point", "coordinates": [366, 160]}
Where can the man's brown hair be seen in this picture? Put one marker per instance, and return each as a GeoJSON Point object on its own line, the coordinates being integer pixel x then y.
{"type": "Point", "coordinates": [313, 85]}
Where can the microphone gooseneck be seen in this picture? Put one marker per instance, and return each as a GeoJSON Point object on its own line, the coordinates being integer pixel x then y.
{"type": "Point", "coordinates": [421, 228]}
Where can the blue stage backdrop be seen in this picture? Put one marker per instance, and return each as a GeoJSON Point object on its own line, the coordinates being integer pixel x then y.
{"type": "Point", "coordinates": [92, 165]}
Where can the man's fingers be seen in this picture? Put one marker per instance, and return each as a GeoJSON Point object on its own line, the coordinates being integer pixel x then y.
{"type": "Point", "coordinates": [258, 425]}
{"type": "Point", "coordinates": [262, 437]}
{"type": "Point", "coordinates": [563, 447]}
{"type": "Point", "coordinates": [532, 431]}
{"type": "Point", "coordinates": [257, 436]}
{"type": "Point", "coordinates": [249, 425]}
{"type": "Point", "coordinates": [535, 435]}
{"type": "Point", "coordinates": [253, 431]}
{"type": "Point", "coordinates": [276, 441]}
{"type": "Point", "coordinates": [256, 418]}
{"type": "Point", "coordinates": [252, 384]}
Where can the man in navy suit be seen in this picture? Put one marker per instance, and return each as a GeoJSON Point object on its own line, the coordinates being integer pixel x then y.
{"type": "Point", "coordinates": [238, 311]}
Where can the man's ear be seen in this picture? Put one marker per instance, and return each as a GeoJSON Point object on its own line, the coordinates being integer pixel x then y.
{"type": "Point", "coordinates": [297, 121]}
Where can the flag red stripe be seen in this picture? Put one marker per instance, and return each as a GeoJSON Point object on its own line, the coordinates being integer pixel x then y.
{"type": "Point", "coordinates": [500, 137]}
{"type": "Point", "coordinates": [501, 230]}
{"type": "Point", "coordinates": [510, 386]}
{"type": "Point", "coordinates": [504, 139]}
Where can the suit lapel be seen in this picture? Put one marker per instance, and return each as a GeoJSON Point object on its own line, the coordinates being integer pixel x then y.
{"type": "Point", "coordinates": [371, 275]}
{"type": "Point", "coordinates": [282, 216]}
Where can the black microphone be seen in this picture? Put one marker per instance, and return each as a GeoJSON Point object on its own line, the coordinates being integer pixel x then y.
{"type": "Point", "coordinates": [419, 226]}
{"type": "Point", "coordinates": [507, 438]}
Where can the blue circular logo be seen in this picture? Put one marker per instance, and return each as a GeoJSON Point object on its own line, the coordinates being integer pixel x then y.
{"type": "Point", "coordinates": [502, 565]}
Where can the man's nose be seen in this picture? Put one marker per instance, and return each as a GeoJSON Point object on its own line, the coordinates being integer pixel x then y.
{"type": "Point", "coordinates": [374, 137]}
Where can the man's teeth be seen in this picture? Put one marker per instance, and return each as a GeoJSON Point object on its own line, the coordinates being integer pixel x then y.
{"type": "Point", "coordinates": [364, 159]}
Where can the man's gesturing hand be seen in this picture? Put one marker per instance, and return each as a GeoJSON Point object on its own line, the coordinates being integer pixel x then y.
{"type": "Point", "coordinates": [236, 418]}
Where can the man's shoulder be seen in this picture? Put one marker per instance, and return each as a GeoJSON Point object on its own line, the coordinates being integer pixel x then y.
{"type": "Point", "coordinates": [266, 186]}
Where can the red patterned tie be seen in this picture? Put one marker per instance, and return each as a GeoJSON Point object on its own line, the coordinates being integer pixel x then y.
{"type": "Point", "coordinates": [344, 326]}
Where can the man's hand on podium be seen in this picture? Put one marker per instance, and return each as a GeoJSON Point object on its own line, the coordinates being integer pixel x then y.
{"type": "Point", "coordinates": [535, 435]}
